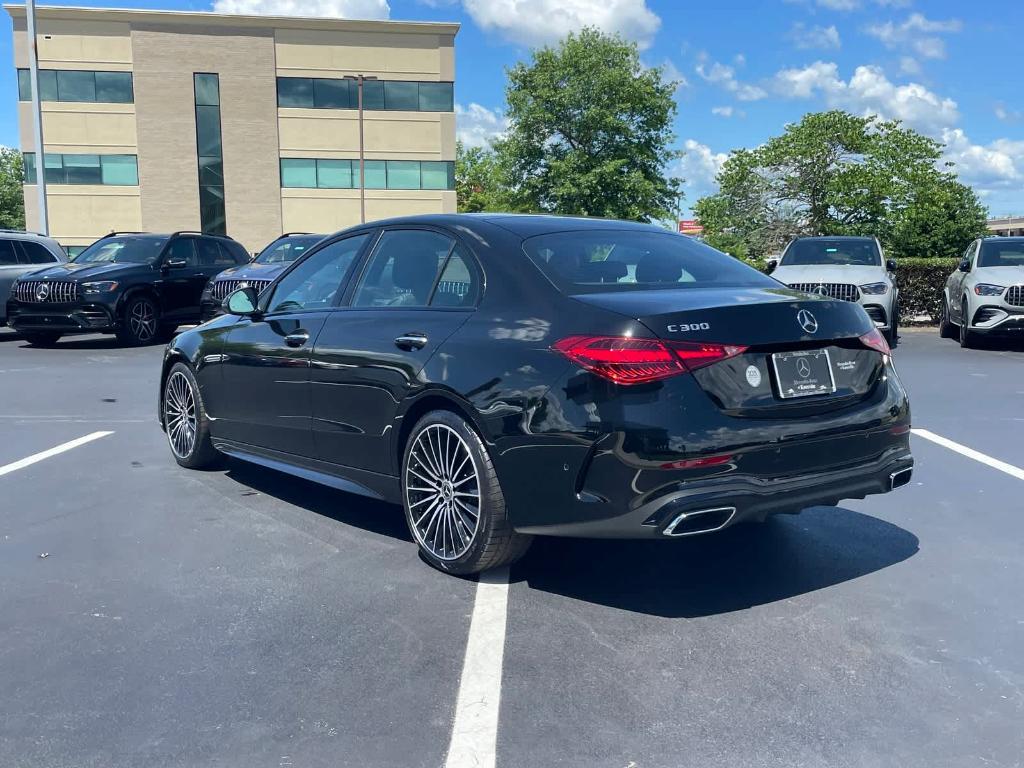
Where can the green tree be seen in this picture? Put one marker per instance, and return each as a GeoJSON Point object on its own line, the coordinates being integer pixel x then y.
{"type": "Point", "coordinates": [478, 179]}
{"type": "Point", "coordinates": [12, 196]}
{"type": "Point", "coordinates": [835, 173]}
{"type": "Point", "coordinates": [589, 132]}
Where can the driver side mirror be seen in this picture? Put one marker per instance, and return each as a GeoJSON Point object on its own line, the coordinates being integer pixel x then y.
{"type": "Point", "coordinates": [243, 302]}
{"type": "Point", "coordinates": [772, 264]}
{"type": "Point", "coordinates": [175, 263]}
{"type": "Point", "coordinates": [965, 265]}
{"type": "Point", "coordinates": [890, 265]}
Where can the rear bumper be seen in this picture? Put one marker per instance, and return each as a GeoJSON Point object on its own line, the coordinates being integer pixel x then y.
{"type": "Point", "coordinates": [88, 318]}
{"type": "Point", "coordinates": [738, 498]}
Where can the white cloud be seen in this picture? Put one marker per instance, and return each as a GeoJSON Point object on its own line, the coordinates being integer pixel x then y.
{"type": "Point", "coordinates": [698, 167]}
{"type": "Point", "coordinates": [1007, 115]}
{"type": "Point", "coordinates": [725, 76]}
{"type": "Point", "coordinates": [538, 22]}
{"type": "Point", "coordinates": [476, 125]}
{"type": "Point", "coordinates": [909, 66]}
{"type": "Point", "coordinates": [807, 38]}
{"type": "Point", "coordinates": [728, 111]}
{"type": "Point", "coordinates": [999, 165]}
{"type": "Point", "coordinates": [671, 73]}
{"type": "Point", "coordinates": [869, 91]}
{"type": "Point", "coordinates": [338, 9]}
{"type": "Point", "coordinates": [839, 5]}
{"type": "Point", "coordinates": [918, 33]}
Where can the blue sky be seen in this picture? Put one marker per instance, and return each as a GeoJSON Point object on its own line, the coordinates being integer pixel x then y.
{"type": "Point", "coordinates": [950, 69]}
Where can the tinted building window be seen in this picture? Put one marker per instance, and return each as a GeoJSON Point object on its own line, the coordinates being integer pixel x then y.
{"type": "Point", "coordinates": [212, 217]}
{"type": "Point", "coordinates": [117, 170]}
{"type": "Point", "coordinates": [338, 93]}
{"type": "Point", "coordinates": [78, 85]}
{"type": "Point", "coordinates": [313, 173]}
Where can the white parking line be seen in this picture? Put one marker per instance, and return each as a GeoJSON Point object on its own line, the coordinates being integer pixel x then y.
{"type": "Point", "coordinates": [37, 457]}
{"type": "Point", "coordinates": [970, 453]}
{"type": "Point", "coordinates": [475, 730]}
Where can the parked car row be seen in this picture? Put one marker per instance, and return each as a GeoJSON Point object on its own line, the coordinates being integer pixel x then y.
{"type": "Point", "coordinates": [137, 285]}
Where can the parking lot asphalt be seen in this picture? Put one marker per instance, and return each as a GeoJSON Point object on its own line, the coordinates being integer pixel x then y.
{"type": "Point", "coordinates": [244, 618]}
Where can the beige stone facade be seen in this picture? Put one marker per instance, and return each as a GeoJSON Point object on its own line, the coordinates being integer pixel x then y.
{"type": "Point", "coordinates": [163, 51]}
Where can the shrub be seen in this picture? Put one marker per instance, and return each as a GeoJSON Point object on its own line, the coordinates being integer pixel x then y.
{"type": "Point", "coordinates": [921, 282]}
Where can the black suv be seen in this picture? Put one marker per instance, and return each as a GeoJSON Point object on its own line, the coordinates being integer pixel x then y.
{"type": "Point", "coordinates": [140, 286]}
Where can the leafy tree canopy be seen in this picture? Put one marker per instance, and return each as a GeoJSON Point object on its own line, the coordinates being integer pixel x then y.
{"type": "Point", "coordinates": [589, 133]}
{"type": "Point", "coordinates": [835, 173]}
{"type": "Point", "coordinates": [12, 198]}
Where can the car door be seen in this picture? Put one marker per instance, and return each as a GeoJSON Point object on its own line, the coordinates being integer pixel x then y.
{"type": "Point", "coordinates": [179, 271]}
{"type": "Point", "coordinates": [264, 399]}
{"type": "Point", "coordinates": [415, 289]}
{"type": "Point", "coordinates": [10, 268]}
{"type": "Point", "coordinates": [957, 280]}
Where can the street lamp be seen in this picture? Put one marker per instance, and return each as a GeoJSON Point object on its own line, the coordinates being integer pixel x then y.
{"type": "Point", "coordinates": [360, 79]}
{"type": "Point", "coordinates": [37, 116]}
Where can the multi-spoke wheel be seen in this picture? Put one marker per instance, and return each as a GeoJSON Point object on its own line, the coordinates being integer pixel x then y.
{"type": "Point", "coordinates": [453, 502]}
{"type": "Point", "coordinates": [185, 421]}
{"type": "Point", "coordinates": [140, 322]}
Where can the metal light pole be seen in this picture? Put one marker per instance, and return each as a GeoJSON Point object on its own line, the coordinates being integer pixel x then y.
{"type": "Point", "coordinates": [37, 116]}
{"type": "Point", "coordinates": [360, 78]}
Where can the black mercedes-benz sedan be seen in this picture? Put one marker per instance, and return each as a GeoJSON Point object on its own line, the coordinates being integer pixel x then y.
{"type": "Point", "coordinates": [505, 376]}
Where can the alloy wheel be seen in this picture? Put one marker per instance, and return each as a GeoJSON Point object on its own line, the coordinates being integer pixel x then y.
{"type": "Point", "coordinates": [142, 321]}
{"type": "Point", "coordinates": [442, 492]}
{"type": "Point", "coordinates": [180, 415]}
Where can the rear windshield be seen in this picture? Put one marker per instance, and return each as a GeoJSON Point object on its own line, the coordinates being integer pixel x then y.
{"type": "Point", "coordinates": [598, 260]}
{"type": "Point", "coordinates": [1001, 253]}
{"type": "Point", "coordinates": [287, 249]}
{"type": "Point", "coordinates": [134, 250]}
{"type": "Point", "coordinates": [860, 252]}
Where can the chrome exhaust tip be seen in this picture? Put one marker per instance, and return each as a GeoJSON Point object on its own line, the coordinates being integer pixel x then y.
{"type": "Point", "coordinates": [896, 479]}
{"type": "Point", "coordinates": [699, 521]}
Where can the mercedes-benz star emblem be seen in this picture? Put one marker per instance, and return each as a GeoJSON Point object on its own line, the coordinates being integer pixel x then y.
{"type": "Point", "coordinates": [821, 290]}
{"type": "Point", "coordinates": [803, 368]}
{"type": "Point", "coordinates": [42, 292]}
{"type": "Point", "coordinates": [807, 321]}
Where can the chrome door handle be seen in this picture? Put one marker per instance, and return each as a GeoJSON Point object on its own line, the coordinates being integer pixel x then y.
{"type": "Point", "coordinates": [296, 339]}
{"type": "Point", "coordinates": [411, 341]}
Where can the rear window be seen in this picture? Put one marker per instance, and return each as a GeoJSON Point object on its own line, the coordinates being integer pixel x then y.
{"type": "Point", "coordinates": [1005, 253]}
{"type": "Point", "coordinates": [835, 252]}
{"type": "Point", "coordinates": [598, 260]}
{"type": "Point", "coordinates": [287, 249]}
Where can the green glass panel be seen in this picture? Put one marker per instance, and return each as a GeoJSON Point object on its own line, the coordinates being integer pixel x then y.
{"type": "Point", "coordinates": [76, 86]}
{"type": "Point", "coordinates": [436, 97]}
{"type": "Point", "coordinates": [331, 94]}
{"type": "Point", "coordinates": [376, 174]}
{"type": "Point", "coordinates": [114, 87]}
{"type": "Point", "coordinates": [403, 174]}
{"type": "Point", "coordinates": [120, 170]}
{"type": "Point", "coordinates": [335, 174]}
{"type": "Point", "coordinates": [295, 92]}
{"type": "Point", "coordinates": [207, 90]}
{"type": "Point", "coordinates": [298, 173]}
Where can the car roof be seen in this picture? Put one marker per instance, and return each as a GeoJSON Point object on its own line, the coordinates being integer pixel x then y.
{"type": "Point", "coordinates": [521, 224]}
{"type": "Point", "coordinates": [20, 234]}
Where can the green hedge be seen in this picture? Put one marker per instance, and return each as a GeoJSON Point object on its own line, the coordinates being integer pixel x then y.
{"type": "Point", "coordinates": [921, 282]}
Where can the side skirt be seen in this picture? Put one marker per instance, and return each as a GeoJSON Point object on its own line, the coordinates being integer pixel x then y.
{"type": "Point", "coordinates": [348, 479]}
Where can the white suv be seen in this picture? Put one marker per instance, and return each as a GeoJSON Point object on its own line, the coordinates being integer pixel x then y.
{"type": "Point", "coordinates": [846, 268]}
{"type": "Point", "coordinates": [22, 252]}
{"type": "Point", "coordinates": [985, 295]}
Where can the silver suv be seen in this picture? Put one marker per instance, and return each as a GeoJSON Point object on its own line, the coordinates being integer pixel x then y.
{"type": "Point", "coordinates": [985, 295]}
{"type": "Point", "coordinates": [846, 268]}
{"type": "Point", "coordinates": [22, 252]}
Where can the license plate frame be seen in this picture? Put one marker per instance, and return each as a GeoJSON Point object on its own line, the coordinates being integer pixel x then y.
{"type": "Point", "coordinates": [790, 387]}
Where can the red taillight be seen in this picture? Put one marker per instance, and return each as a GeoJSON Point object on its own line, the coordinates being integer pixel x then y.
{"type": "Point", "coordinates": [626, 360]}
{"type": "Point", "coordinates": [707, 461]}
{"type": "Point", "coordinates": [876, 341]}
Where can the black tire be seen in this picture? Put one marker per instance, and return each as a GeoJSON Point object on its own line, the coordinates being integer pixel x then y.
{"type": "Point", "coordinates": [140, 322]}
{"type": "Point", "coordinates": [946, 328]}
{"type": "Point", "coordinates": [967, 340]}
{"type": "Point", "coordinates": [41, 338]}
{"type": "Point", "coordinates": [200, 454]}
{"type": "Point", "coordinates": [892, 336]}
{"type": "Point", "coordinates": [493, 542]}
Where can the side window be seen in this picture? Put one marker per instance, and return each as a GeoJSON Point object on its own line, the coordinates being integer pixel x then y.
{"type": "Point", "coordinates": [236, 252]}
{"type": "Point", "coordinates": [7, 253]}
{"type": "Point", "coordinates": [182, 248]}
{"type": "Point", "coordinates": [403, 269]}
{"type": "Point", "coordinates": [36, 254]}
{"type": "Point", "coordinates": [316, 282]}
{"type": "Point", "coordinates": [459, 285]}
{"type": "Point", "coordinates": [211, 255]}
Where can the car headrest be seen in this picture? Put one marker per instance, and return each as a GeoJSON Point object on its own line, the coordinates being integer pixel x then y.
{"type": "Point", "coordinates": [659, 268]}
